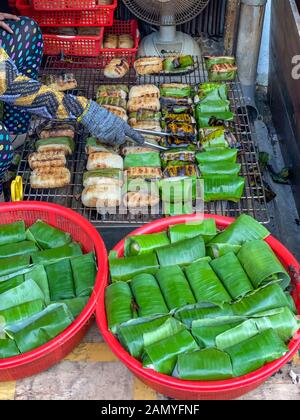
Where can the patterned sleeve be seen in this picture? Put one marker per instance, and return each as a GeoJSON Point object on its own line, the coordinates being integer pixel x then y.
{"type": "Point", "coordinates": [36, 98]}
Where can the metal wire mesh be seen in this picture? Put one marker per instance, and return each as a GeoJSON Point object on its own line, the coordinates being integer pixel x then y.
{"type": "Point", "coordinates": [89, 74]}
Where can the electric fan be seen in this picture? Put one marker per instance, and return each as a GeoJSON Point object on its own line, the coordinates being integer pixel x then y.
{"type": "Point", "coordinates": [167, 14]}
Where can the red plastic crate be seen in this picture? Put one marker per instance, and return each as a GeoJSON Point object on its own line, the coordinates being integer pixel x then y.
{"type": "Point", "coordinates": [102, 16]}
{"type": "Point", "coordinates": [82, 46]}
{"type": "Point", "coordinates": [83, 232]}
{"type": "Point", "coordinates": [59, 5]}
{"type": "Point", "coordinates": [121, 28]}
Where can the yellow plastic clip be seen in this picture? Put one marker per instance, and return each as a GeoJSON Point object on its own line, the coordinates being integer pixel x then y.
{"type": "Point", "coordinates": [17, 189]}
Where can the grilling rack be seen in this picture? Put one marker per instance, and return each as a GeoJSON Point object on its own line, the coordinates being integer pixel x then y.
{"type": "Point", "coordinates": [89, 75]}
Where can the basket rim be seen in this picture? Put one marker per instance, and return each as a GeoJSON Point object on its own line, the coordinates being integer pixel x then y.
{"type": "Point", "coordinates": [102, 260]}
{"type": "Point", "coordinates": [149, 375]}
{"type": "Point", "coordinates": [99, 7]}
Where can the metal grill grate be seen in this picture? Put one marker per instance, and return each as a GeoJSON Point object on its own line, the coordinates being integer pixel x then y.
{"type": "Point", "coordinates": [89, 74]}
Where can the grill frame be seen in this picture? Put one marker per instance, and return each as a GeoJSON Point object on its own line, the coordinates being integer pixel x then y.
{"type": "Point", "coordinates": [89, 74]}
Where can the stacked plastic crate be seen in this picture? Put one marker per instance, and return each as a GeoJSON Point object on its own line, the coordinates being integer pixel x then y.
{"type": "Point", "coordinates": [78, 27]}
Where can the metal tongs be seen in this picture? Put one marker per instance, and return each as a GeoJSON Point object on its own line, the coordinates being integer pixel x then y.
{"type": "Point", "coordinates": [154, 133]}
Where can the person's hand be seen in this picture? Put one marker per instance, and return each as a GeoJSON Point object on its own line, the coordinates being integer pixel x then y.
{"type": "Point", "coordinates": [108, 127]}
{"type": "Point", "coordinates": [5, 26]}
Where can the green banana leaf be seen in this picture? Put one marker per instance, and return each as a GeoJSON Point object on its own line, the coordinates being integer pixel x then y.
{"type": "Point", "coordinates": [76, 305]}
{"type": "Point", "coordinates": [175, 287]}
{"type": "Point", "coordinates": [176, 92]}
{"type": "Point", "coordinates": [214, 140]}
{"type": "Point", "coordinates": [177, 209]}
{"type": "Point", "coordinates": [10, 283]}
{"type": "Point", "coordinates": [213, 106]}
{"type": "Point", "coordinates": [170, 327]}
{"type": "Point", "coordinates": [119, 102]}
{"type": "Point", "coordinates": [26, 292]}
{"type": "Point", "coordinates": [119, 304]}
{"type": "Point", "coordinates": [219, 250]}
{"type": "Point", "coordinates": [261, 300]}
{"type": "Point", "coordinates": [124, 269]}
{"type": "Point", "coordinates": [262, 265]}
{"type": "Point", "coordinates": [206, 228]}
{"type": "Point", "coordinates": [10, 265]}
{"type": "Point", "coordinates": [162, 356]}
{"type": "Point", "coordinates": [220, 168]}
{"type": "Point", "coordinates": [202, 311]}
{"type": "Point", "coordinates": [22, 311]}
{"type": "Point", "coordinates": [12, 233]}
{"type": "Point", "coordinates": [232, 275]}
{"type": "Point", "coordinates": [254, 353]}
{"type": "Point", "coordinates": [131, 334]}
{"type": "Point", "coordinates": [48, 256]}
{"type": "Point", "coordinates": [39, 276]}
{"type": "Point", "coordinates": [84, 274]}
{"type": "Point", "coordinates": [179, 189]}
{"type": "Point", "coordinates": [143, 244]}
{"type": "Point", "coordinates": [17, 249]}
{"type": "Point", "coordinates": [46, 236]}
{"type": "Point", "coordinates": [224, 187]}
{"type": "Point", "coordinates": [205, 284]}
{"type": "Point", "coordinates": [147, 160]}
{"type": "Point", "coordinates": [107, 173]}
{"type": "Point", "coordinates": [204, 365]}
{"type": "Point", "coordinates": [218, 155]}
{"type": "Point", "coordinates": [40, 328]}
{"type": "Point", "coordinates": [244, 229]}
{"type": "Point", "coordinates": [60, 279]}
{"type": "Point", "coordinates": [8, 348]}
{"type": "Point", "coordinates": [61, 141]}
{"type": "Point", "coordinates": [209, 119]}
{"type": "Point", "coordinates": [95, 145]}
{"type": "Point", "coordinates": [143, 287]}
{"type": "Point", "coordinates": [182, 253]}
{"type": "Point", "coordinates": [213, 60]}
{"type": "Point", "coordinates": [237, 334]}
{"type": "Point", "coordinates": [206, 332]}
{"type": "Point", "coordinates": [213, 91]}
{"type": "Point", "coordinates": [217, 76]}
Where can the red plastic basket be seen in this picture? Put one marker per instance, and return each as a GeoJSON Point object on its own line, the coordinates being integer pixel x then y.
{"type": "Point", "coordinates": [82, 231]}
{"type": "Point", "coordinates": [121, 28]}
{"type": "Point", "coordinates": [102, 16]}
{"type": "Point", "coordinates": [59, 5]}
{"type": "Point", "coordinates": [86, 46]}
{"type": "Point", "coordinates": [192, 390]}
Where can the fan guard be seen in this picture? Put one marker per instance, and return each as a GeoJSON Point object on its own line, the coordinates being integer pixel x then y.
{"type": "Point", "coordinates": [166, 12]}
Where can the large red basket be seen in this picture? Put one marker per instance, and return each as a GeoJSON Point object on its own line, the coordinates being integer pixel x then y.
{"type": "Point", "coordinates": [61, 5]}
{"type": "Point", "coordinates": [101, 16]}
{"type": "Point", "coordinates": [121, 28]}
{"type": "Point", "coordinates": [192, 390]}
{"type": "Point", "coordinates": [82, 46]}
{"type": "Point", "coordinates": [82, 231]}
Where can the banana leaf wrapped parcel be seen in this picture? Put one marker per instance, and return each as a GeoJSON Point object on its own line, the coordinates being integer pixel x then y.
{"type": "Point", "coordinates": [145, 244]}
{"type": "Point", "coordinates": [150, 160]}
{"type": "Point", "coordinates": [12, 233]}
{"type": "Point", "coordinates": [46, 236]}
{"type": "Point", "coordinates": [206, 228]}
{"type": "Point", "coordinates": [18, 249]}
{"type": "Point", "coordinates": [124, 269]}
{"type": "Point", "coordinates": [221, 68]}
{"type": "Point", "coordinates": [10, 265]}
{"type": "Point", "coordinates": [84, 271]}
{"type": "Point", "coordinates": [49, 255]}
{"type": "Point", "coordinates": [8, 348]}
{"type": "Point", "coordinates": [119, 305]}
{"type": "Point", "coordinates": [226, 187]}
{"type": "Point", "coordinates": [60, 277]}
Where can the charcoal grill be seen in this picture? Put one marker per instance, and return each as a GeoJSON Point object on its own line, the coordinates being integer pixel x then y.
{"type": "Point", "coordinates": [89, 74]}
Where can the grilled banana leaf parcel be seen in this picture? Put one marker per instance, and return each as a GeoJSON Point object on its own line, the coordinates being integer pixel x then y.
{"type": "Point", "coordinates": [178, 155]}
{"type": "Point", "coordinates": [219, 155]}
{"type": "Point", "coordinates": [204, 365]}
{"type": "Point", "coordinates": [10, 265]}
{"type": "Point", "coordinates": [26, 292]}
{"type": "Point", "coordinates": [39, 329]}
{"type": "Point", "coordinates": [119, 304]}
{"type": "Point", "coordinates": [60, 278]}
{"type": "Point", "coordinates": [178, 118]}
{"type": "Point", "coordinates": [206, 228]}
{"type": "Point", "coordinates": [262, 265]}
{"type": "Point", "coordinates": [144, 115]}
{"type": "Point", "coordinates": [220, 168]}
{"type": "Point", "coordinates": [65, 144]}
{"type": "Point", "coordinates": [119, 102]}
{"type": "Point", "coordinates": [262, 300]}
{"type": "Point", "coordinates": [22, 311]}
{"type": "Point", "coordinates": [148, 296]}
{"type": "Point", "coordinates": [176, 90]}
{"type": "Point", "coordinates": [49, 255]}
{"type": "Point", "coordinates": [113, 91]}
{"type": "Point", "coordinates": [180, 169]}
{"type": "Point", "coordinates": [179, 189]}
{"type": "Point", "coordinates": [212, 119]}
{"type": "Point", "coordinates": [12, 233]}
{"type": "Point", "coordinates": [148, 160]}
{"type": "Point", "coordinates": [38, 274]}
{"type": "Point", "coordinates": [46, 236]}
{"type": "Point", "coordinates": [175, 287]}
{"type": "Point", "coordinates": [134, 334]}
{"type": "Point", "coordinates": [256, 352]}
{"type": "Point", "coordinates": [217, 137]}
{"type": "Point", "coordinates": [162, 355]}
{"type": "Point", "coordinates": [94, 145]}
{"type": "Point", "coordinates": [229, 188]}
{"type": "Point", "coordinates": [177, 64]}
{"type": "Point", "coordinates": [243, 229]}
{"type": "Point", "coordinates": [184, 130]}
{"type": "Point", "coordinates": [145, 244]}
{"type": "Point", "coordinates": [213, 106]}
{"type": "Point", "coordinates": [105, 176]}
{"type": "Point", "coordinates": [221, 68]}
{"type": "Point", "coordinates": [213, 91]}
{"type": "Point", "coordinates": [124, 269]}
{"type": "Point", "coordinates": [205, 284]}
{"type": "Point", "coordinates": [20, 248]}
{"type": "Point", "coordinates": [232, 275]}
{"type": "Point", "coordinates": [84, 274]}
{"type": "Point", "coordinates": [182, 253]}
{"type": "Point", "coordinates": [8, 348]}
